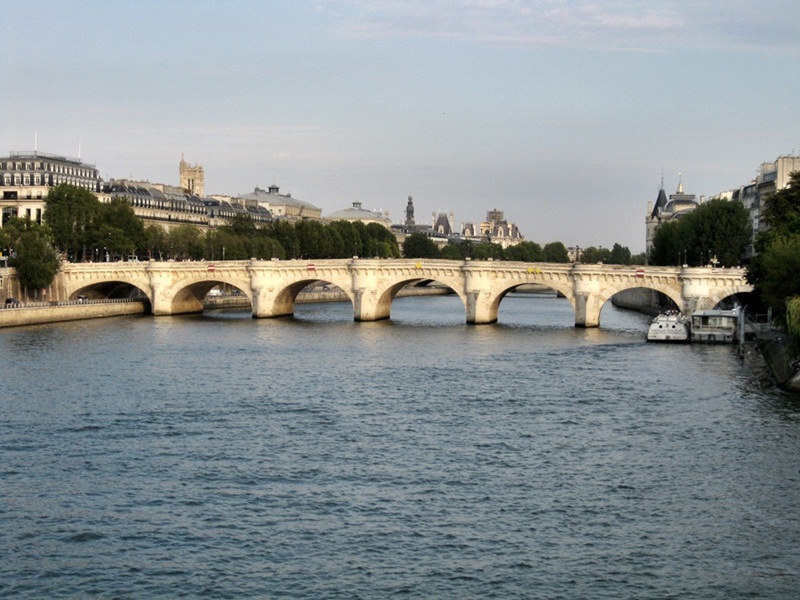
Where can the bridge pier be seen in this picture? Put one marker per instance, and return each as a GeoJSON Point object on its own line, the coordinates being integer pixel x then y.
{"type": "Point", "coordinates": [368, 307]}
{"type": "Point", "coordinates": [268, 304]}
{"type": "Point", "coordinates": [480, 308]}
{"type": "Point", "coordinates": [587, 310]}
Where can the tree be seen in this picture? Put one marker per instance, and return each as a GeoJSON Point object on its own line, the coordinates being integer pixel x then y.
{"type": "Point", "coordinates": [775, 269]}
{"type": "Point", "coordinates": [555, 252]}
{"type": "Point", "coordinates": [156, 242]}
{"type": "Point", "coordinates": [70, 212]}
{"type": "Point", "coordinates": [350, 239]}
{"type": "Point", "coordinates": [419, 245]}
{"type": "Point", "coordinates": [119, 228]}
{"type": "Point", "coordinates": [669, 247]}
{"type": "Point", "coordinates": [379, 241]}
{"type": "Point", "coordinates": [286, 236]}
{"type": "Point", "coordinates": [484, 251]}
{"type": "Point", "coordinates": [36, 260]}
{"type": "Point", "coordinates": [526, 252]}
{"type": "Point", "coordinates": [620, 255]}
{"type": "Point", "coordinates": [313, 241]}
{"type": "Point", "coordinates": [185, 242]}
{"type": "Point", "coordinates": [718, 228]}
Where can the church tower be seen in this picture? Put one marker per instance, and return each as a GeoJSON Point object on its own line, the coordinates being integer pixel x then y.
{"type": "Point", "coordinates": [410, 212]}
{"type": "Point", "coordinates": [192, 178]}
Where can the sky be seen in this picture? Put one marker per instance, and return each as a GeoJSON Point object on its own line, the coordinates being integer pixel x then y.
{"type": "Point", "coordinates": [564, 114]}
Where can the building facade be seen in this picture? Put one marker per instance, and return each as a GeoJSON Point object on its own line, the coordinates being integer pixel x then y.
{"type": "Point", "coordinates": [282, 206]}
{"type": "Point", "coordinates": [665, 209]}
{"type": "Point", "coordinates": [495, 230]}
{"type": "Point", "coordinates": [26, 178]}
{"type": "Point", "coordinates": [192, 178]}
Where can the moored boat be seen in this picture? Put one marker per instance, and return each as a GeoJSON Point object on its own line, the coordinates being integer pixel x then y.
{"type": "Point", "coordinates": [715, 326]}
{"type": "Point", "coordinates": [670, 326]}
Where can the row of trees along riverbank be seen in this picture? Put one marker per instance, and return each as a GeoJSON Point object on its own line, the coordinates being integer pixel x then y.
{"type": "Point", "coordinates": [79, 228]}
{"type": "Point", "coordinates": [775, 269]}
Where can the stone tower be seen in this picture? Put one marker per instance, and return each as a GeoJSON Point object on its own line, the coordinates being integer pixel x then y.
{"type": "Point", "coordinates": [192, 178]}
{"type": "Point", "coordinates": [410, 212]}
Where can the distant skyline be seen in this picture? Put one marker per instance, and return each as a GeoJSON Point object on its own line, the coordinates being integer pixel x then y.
{"type": "Point", "coordinates": [563, 114]}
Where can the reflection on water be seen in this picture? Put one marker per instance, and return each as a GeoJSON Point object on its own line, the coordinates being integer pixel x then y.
{"type": "Point", "coordinates": [222, 456]}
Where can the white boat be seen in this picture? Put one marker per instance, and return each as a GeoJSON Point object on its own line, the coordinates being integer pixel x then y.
{"type": "Point", "coordinates": [670, 326]}
{"type": "Point", "coordinates": [715, 326]}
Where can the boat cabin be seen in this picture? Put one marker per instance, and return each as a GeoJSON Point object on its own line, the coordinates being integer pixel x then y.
{"type": "Point", "coordinates": [715, 326]}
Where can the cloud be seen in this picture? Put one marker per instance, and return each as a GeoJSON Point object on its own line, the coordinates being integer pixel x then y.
{"type": "Point", "coordinates": [620, 24]}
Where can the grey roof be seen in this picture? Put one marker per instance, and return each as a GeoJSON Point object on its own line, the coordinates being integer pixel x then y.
{"type": "Point", "coordinates": [661, 202]}
{"type": "Point", "coordinates": [356, 213]}
{"type": "Point", "coordinates": [273, 197]}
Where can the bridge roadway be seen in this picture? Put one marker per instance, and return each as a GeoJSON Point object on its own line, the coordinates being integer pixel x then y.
{"type": "Point", "coordinates": [371, 284]}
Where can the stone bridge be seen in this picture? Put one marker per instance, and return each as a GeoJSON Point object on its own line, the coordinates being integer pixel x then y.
{"type": "Point", "coordinates": [371, 284]}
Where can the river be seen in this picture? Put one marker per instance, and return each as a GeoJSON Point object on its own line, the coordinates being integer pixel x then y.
{"type": "Point", "coordinates": [220, 456]}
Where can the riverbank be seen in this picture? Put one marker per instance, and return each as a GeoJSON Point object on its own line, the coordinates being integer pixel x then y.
{"type": "Point", "coordinates": [784, 367]}
{"type": "Point", "coordinates": [41, 313]}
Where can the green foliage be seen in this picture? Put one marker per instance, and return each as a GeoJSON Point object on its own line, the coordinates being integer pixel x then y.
{"type": "Point", "coordinates": [781, 210]}
{"type": "Point", "coordinates": [619, 255]}
{"type": "Point", "coordinates": [525, 252]}
{"type": "Point", "coordinates": [453, 252]}
{"type": "Point", "coordinates": [484, 251]}
{"type": "Point", "coordinates": [185, 242]}
{"type": "Point", "coordinates": [70, 212]}
{"type": "Point", "coordinates": [555, 252]}
{"type": "Point", "coordinates": [380, 242]}
{"type": "Point", "coordinates": [347, 239]}
{"type": "Point", "coordinates": [156, 242]}
{"type": "Point", "coordinates": [36, 259]}
{"type": "Point", "coordinates": [419, 245]}
{"type": "Point", "coordinates": [793, 322]}
{"type": "Point", "coordinates": [718, 228]}
{"type": "Point", "coordinates": [775, 269]}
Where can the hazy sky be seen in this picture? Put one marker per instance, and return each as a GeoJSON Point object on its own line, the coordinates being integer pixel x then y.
{"type": "Point", "coordinates": [562, 113]}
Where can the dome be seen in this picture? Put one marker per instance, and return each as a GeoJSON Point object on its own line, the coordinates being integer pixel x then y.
{"type": "Point", "coordinates": [357, 213]}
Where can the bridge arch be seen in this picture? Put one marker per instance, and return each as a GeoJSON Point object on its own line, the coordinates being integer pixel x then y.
{"type": "Point", "coordinates": [671, 291]}
{"type": "Point", "coordinates": [495, 298]}
{"type": "Point", "coordinates": [284, 300]}
{"type": "Point", "coordinates": [376, 283]}
{"type": "Point", "coordinates": [189, 297]}
{"type": "Point", "coordinates": [719, 296]}
{"type": "Point", "coordinates": [381, 309]}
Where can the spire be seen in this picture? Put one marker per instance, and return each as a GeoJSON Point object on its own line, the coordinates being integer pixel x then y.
{"type": "Point", "coordinates": [680, 183]}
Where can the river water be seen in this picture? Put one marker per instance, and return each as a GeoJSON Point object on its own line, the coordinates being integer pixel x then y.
{"type": "Point", "coordinates": [314, 457]}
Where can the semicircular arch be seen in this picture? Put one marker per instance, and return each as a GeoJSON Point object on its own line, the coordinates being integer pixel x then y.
{"type": "Point", "coordinates": [386, 293]}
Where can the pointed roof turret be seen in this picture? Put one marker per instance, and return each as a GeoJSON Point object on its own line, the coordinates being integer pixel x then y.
{"type": "Point", "coordinates": [661, 201]}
